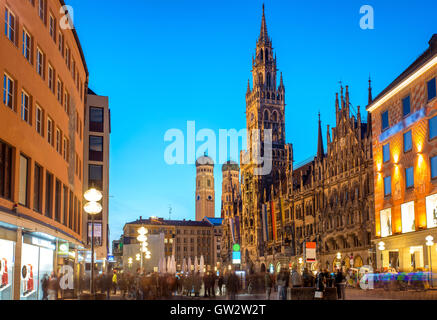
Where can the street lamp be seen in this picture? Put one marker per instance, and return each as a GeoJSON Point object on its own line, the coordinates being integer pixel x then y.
{"type": "Point", "coordinates": [129, 261]}
{"type": "Point", "coordinates": [429, 243]}
{"type": "Point", "coordinates": [381, 247]}
{"type": "Point", "coordinates": [142, 238]}
{"type": "Point", "coordinates": [92, 207]}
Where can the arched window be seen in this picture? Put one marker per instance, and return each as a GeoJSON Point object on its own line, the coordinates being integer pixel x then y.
{"type": "Point", "coordinates": [266, 115]}
{"type": "Point", "coordinates": [267, 55]}
{"type": "Point", "coordinates": [274, 116]}
{"type": "Point", "coordinates": [268, 78]}
{"type": "Point", "coordinates": [261, 55]}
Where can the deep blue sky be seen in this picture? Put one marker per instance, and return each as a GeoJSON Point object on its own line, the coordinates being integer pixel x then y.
{"type": "Point", "coordinates": [165, 62]}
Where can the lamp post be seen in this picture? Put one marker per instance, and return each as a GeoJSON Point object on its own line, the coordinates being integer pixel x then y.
{"type": "Point", "coordinates": [142, 238]}
{"type": "Point", "coordinates": [429, 243]}
{"type": "Point", "coordinates": [381, 247]}
{"type": "Point", "coordinates": [92, 207]}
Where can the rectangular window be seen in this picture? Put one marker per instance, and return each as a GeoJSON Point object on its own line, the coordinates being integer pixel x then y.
{"type": "Point", "coordinates": [384, 120]}
{"type": "Point", "coordinates": [96, 148]}
{"type": "Point", "coordinates": [432, 123]}
{"type": "Point", "coordinates": [431, 211]}
{"type": "Point", "coordinates": [10, 25]}
{"type": "Point", "coordinates": [66, 149]}
{"type": "Point", "coordinates": [65, 207]}
{"type": "Point", "coordinates": [27, 46]}
{"type": "Point", "coordinates": [49, 195]}
{"type": "Point", "coordinates": [96, 119]}
{"type": "Point", "coordinates": [58, 141]}
{"type": "Point", "coordinates": [24, 180]}
{"type": "Point", "coordinates": [66, 102]}
{"type": "Point", "coordinates": [408, 141]}
{"type": "Point", "coordinates": [41, 10]}
{"type": "Point", "coordinates": [409, 177]}
{"type": "Point", "coordinates": [408, 220]}
{"type": "Point", "coordinates": [58, 197]}
{"type": "Point", "coordinates": [95, 176]}
{"type": "Point", "coordinates": [60, 90]}
{"type": "Point", "coordinates": [431, 89]}
{"type": "Point", "coordinates": [25, 107]}
{"type": "Point", "coordinates": [73, 69]}
{"type": "Point", "coordinates": [39, 120]}
{"type": "Point", "coordinates": [406, 108]}
{"type": "Point", "coordinates": [386, 152]}
{"type": "Point", "coordinates": [8, 91]}
{"type": "Point", "coordinates": [387, 186]}
{"type": "Point", "coordinates": [51, 77]}
{"type": "Point", "coordinates": [433, 161]}
{"type": "Point", "coordinates": [37, 188]}
{"type": "Point", "coordinates": [52, 27]}
{"type": "Point", "coordinates": [40, 62]}
{"type": "Point", "coordinates": [49, 131]}
{"type": "Point", "coordinates": [70, 213]}
{"type": "Point", "coordinates": [6, 171]}
{"type": "Point", "coordinates": [61, 43]}
{"type": "Point", "coordinates": [67, 57]}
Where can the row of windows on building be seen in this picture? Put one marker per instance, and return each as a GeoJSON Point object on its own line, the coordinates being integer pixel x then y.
{"type": "Point", "coordinates": [406, 104]}
{"type": "Point", "coordinates": [185, 249]}
{"type": "Point", "coordinates": [44, 125]}
{"type": "Point", "coordinates": [193, 240]}
{"type": "Point", "coordinates": [28, 49]}
{"type": "Point", "coordinates": [51, 197]}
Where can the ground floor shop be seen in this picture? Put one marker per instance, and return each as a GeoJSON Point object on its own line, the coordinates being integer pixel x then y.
{"type": "Point", "coordinates": [408, 252]}
{"type": "Point", "coordinates": [28, 256]}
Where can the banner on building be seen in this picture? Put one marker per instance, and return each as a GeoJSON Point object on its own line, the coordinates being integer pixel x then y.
{"type": "Point", "coordinates": [282, 213]}
{"type": "Point", "coordinates": [272, 209]}
{"type": "Point", "coordinates": [231, 226]}
{"type": "Point", "coordinates": [264, 222]}
{"type": "Point", "coordinates": [310, 252]}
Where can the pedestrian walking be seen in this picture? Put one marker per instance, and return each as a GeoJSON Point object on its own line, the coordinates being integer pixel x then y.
{"type": "Point", "coordinates": [268, 281]}
{"type": "Point", "coordinates": [53, 287]}
{"type": "Point", "coordinates": [232, 286]}
{"type": "Point", "coordinates": [282, 285]}
{"type": "Point", "coordinates": [114, 282]}
{"type": "Point", "coordinates": [340, 284]}
{"type": "Point", "coordinates": [220, 283]}
{"type": "Point", "coordinates": [44, 286]}
{"type": "Point", "coordinates": [296, 279]}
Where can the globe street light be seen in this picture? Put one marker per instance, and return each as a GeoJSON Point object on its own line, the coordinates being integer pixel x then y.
{"type": "Point", "coordinates": [92, 207]}
{"type": "Point", "coordinates": [429, 243]}
{"type": "Point", "coordinates": [142, 238]}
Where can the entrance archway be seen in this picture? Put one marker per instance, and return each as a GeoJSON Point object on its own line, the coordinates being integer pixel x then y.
{"type": "Point", "coordinates": [263, 267]}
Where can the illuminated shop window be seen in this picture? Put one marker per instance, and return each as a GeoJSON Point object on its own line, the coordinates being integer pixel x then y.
{"type": "Point", "coordinates": [431, 211]}
{"type": "Point", "coordinates": [385, 220]}
{"type": "Point", "coordinates": [408, 221]}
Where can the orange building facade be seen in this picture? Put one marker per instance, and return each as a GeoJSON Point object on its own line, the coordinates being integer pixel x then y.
{"type": "Point", "coordinates": [404, 129]}
{"type": "Point", "coordinates": [44, 81]}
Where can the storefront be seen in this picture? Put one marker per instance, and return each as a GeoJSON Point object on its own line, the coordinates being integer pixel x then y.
{"type": "Point", "coordinates": [37, 261]}
{"type": "Point", "coordinates": [7, 249]}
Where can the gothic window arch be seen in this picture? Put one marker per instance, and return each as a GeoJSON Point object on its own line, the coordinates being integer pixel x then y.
{"type": "Point", "coordinates": [269, 84]}
{"type": "Point", "coordinates": [274, 116]}
{"type": "Point", "coordinates": [261, 55]}
{"type": "Point", "coordinates": [267, 55]}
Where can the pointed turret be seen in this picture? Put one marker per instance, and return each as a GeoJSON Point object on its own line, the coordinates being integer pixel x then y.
{"type": "Point", "coordinates": [281, 84]}
{"type": "Point", "coordinates": [248, 86]}
{"type": "Point", "coordinates": [347, 101]}
{"type": "Point", "coordinates": [337, 107]}
{"type": "Point", "coordinates": [370, 99]}
{"type": "Point", "coordinates": [320, 151]}
{"type": "Point", "coordinates": [263, 36]}
{"type": "Point", "coordinates": [328, 136]}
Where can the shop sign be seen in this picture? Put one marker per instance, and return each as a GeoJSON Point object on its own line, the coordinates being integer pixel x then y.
{"type": "Point", "coordinates": [111, 258]}
{"type": "Point", "coordinates": [43, 243]}
{"type": "Point", "coordinates": [63, 249]}
{"type": "Point", "coordinates": [236, 257]}
{"type": "Point", "coordinates": [310, 251]}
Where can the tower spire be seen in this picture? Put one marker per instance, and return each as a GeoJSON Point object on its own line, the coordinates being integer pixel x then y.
{"type": "Point", "coordinates": [320, 151]}
{"type": "Point", "coordinates": [370, 91]}
{"type": "Point", "coordinates": [263, 36]}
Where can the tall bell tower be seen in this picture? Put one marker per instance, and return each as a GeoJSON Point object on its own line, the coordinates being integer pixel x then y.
{"type": "Point", "coordinates": [205, 196]}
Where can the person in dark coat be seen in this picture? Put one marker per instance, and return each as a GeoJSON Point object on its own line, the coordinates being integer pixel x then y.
{"type": "Point", "coordinates": [221, 282]}
{"type": "Point", "coordinates": [232, 286]}
{"type": "Point", "coordinates": [45, 285]}
{"type": "Point", "coordinates": [339, 279]}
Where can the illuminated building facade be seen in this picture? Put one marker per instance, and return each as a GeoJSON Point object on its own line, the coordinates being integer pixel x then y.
{"type": "Point", "coordinates": [404, 118]}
